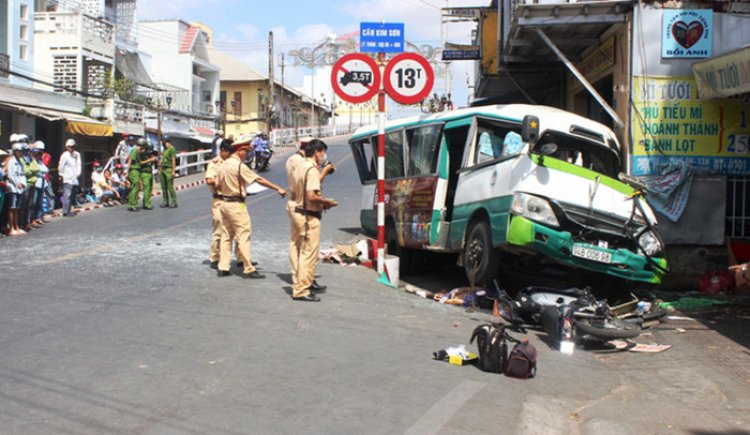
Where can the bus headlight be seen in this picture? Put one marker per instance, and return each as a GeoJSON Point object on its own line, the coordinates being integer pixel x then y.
{"type": "Point", "coordinates": [650, 243]}
{"type": "Point", "coordinates": [534, 208]}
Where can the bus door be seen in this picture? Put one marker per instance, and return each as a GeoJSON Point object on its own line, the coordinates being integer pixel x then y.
{"type": "Point", "coordinates": [456, 135]}
{"type": "Point", "coordinates": [484, 181]}
{"type": "Point", "coordinates": [363, 153]}
{"type": "Point", "coordinates": [419, 196]}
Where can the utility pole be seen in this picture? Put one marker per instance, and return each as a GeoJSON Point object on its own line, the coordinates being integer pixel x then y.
{"type": "Point", "coordinates": [281, 115]}
{"type": "Point", "coordinates": [270, 81]}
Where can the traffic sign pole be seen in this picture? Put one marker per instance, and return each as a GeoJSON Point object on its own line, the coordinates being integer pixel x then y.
{"type": "Point", "coordinates": [381, 172]}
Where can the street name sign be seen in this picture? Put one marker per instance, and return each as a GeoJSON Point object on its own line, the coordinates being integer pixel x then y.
{"type": "Point", "coordinates": [408, 78]}
{"type": "Point", "coordinates": [381, 37]}
{"type": "Point", "coordinates": [355, 78]}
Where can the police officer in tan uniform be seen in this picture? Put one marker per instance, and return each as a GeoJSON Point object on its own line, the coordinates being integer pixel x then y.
{"type": "Point", "coordinates": [211, 171]}
{"type": "Point", "coordinates": [232, 180]}
{"type": "Point", "coordinates": [308, 213]}
{"type": "Point", "coordinates": [291, 166]}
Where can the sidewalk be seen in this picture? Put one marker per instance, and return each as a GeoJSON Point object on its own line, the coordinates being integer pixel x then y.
{"type": "Point", "coordinates": [181, 183]}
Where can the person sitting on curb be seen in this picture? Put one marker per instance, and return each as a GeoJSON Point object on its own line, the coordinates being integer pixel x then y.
{"type": "Point", "coordinates": [103, 192]}
{"type": "Point", "coordinates": [119, 181]}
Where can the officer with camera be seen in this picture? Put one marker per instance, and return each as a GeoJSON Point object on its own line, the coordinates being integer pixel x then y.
{"type": "Point", "coordinates": [295, 201]}
{"type": "Point", "coordinates": [149, 158]}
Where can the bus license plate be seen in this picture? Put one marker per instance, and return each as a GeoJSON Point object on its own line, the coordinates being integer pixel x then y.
{"type": "Point", "coordinates": [592, 254]}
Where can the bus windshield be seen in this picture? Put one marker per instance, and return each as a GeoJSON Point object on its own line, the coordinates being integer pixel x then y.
{"type": "Point", "coordinates": [582, 152]}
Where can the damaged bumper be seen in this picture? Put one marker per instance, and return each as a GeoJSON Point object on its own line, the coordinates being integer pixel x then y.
{"type": "Point", "coordinates": [560, 246]}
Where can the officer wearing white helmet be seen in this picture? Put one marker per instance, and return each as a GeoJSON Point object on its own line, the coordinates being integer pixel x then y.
{"type": "Point", "coordinates": [69, 170]}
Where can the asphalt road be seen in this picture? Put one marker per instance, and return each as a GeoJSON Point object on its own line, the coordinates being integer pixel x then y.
{"type": "Point", "coordinates": [113, 323]}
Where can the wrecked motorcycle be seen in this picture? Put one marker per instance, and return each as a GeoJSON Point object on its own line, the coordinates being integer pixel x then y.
{"type": "Point", "coordinates": [574, 313]}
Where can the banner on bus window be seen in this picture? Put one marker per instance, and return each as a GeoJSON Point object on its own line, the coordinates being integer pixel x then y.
{"type": "Point", "coordinates": [669, 122]}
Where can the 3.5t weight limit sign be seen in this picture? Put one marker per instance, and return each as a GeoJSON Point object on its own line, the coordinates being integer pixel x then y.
{"type": "Point", "coordinates": [408, 78]}
{"type": "Point", "coordinates": [355, 78]}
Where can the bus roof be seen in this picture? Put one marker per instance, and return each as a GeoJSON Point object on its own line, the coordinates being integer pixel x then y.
{"type": "Point", "coordinates": [549, 118]}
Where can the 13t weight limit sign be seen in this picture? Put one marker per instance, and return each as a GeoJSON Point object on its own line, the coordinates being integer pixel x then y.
{"type": "Point", "coordinates": [408, 78]}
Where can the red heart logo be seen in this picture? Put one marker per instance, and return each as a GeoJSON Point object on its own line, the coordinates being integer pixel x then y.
{"type": "Point", "coordinates": [687, 35]}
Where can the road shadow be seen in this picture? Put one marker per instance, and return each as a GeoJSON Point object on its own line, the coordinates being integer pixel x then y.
{"type": "Point", "coordinates": [355, 231]}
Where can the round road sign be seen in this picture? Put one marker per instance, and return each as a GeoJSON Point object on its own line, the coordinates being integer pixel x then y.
{"type": "Point", "coordinates": [408, 78]}
{"type": "Point", "coordinates": [355, 78]}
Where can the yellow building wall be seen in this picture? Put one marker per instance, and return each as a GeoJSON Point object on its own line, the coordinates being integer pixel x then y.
{"type": "Point", "coordinates": [238, 120]}
{"type": "Point", "coordinates": [489, 42]}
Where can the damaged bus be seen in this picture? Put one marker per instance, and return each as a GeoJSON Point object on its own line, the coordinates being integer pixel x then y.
{"type": "Point", "coordinates": [515, 187]}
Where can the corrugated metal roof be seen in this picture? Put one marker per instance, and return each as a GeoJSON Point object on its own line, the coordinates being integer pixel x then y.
{"type": "Point", "coordinates": [232, 69]}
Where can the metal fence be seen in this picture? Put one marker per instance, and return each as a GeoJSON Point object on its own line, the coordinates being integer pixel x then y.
{"type": "Point", "coordinates": [738, 207]}
{"type": "Point", "coordinates": [290, 135]}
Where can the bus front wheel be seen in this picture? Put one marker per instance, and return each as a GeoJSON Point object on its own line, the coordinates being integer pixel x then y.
{"type": "Point", "coordinates": [481, 260]}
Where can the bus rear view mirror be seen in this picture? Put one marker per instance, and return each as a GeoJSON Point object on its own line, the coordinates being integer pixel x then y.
{"type": "Point", "coordinates": [546, 149]}
{"type": "Point", "coordinates": [530, 129]}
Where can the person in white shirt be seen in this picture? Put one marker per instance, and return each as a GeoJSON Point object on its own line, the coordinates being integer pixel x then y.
{"type": "Point", "coordinates": [122, 152]}
{"type": "Point", "coordinates": [17, 185]}
{"type": "Point", "coordinates": [69, 170]}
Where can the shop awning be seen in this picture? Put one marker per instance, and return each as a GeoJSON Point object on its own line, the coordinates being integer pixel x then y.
{"type": "Point", "coordinates": [128, 63]}
{"type": "Point", "coordinates": [76, 123]}
{"type": "Point", "coordinates": [203, 135]}
{"type": "Point", "coordinates": [725, 75]}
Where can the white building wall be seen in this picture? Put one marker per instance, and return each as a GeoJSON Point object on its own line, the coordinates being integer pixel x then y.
{"type": "Point", "coordinates": [20, 65]}
{"type": "Point", "coordinates": [730, 32]}
{"type": "Point", "coordinates": [162, 39]}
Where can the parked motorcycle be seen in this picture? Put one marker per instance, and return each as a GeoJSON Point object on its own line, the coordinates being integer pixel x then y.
{"type": "Point", "coordinates": [571, 314]}
{"type": "Point", "coordinates": [263, 160]}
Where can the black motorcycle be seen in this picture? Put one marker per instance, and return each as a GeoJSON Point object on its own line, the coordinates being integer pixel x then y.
{"type": "Point", "coordinates": [263, 160]}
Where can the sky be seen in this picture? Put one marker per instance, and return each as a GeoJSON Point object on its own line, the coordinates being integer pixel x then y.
{"type": "Point", "coordinates": [240, 28]}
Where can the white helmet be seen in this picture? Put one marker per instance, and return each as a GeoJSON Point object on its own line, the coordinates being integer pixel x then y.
{"type": "Point", "coordinates": [23, 138]}
{"type": "Point", "coordinates": [39, 145]}
{"type": "Point", "coordinates": [14, 138]}
{"type": "Point", "coordinates": [18, 146]}
{"type": "Point", "coordinates": [70, 143]}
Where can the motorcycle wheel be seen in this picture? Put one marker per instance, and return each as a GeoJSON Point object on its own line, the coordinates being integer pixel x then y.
{"type": "Point", "coordinates": [505, 310]}
{"type": "Point", "coordinates": [608, 329]}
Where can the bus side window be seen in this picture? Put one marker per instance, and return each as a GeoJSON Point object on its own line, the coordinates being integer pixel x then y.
{"type": "Point", "coordinates": [423, 147]}
{"type": "Point", "coordinates": [394, 154]}
{"type": "Point", "coordinates": [360, 157]}
{"type": "Point", "coordinates": [368, 148]}
{"type": "Point", "coordinates": [496, 141]}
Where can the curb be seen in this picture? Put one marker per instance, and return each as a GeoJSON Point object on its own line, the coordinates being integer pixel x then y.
{"type": "Point", "coordinates": [182, 187]}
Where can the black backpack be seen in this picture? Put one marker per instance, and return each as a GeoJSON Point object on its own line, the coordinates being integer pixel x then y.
{"type": "Point", "coordinates": [492, 346]}
{"type": "Point", "coordinates": [522, 361]}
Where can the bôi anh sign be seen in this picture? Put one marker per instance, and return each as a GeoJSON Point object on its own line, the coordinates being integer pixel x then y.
{"type": "Point", "coordinates": [355, 78]}
{"type": "Point", "coordinates": [381, 37]}
{"type": "Point", "coordinates": [687, 32]}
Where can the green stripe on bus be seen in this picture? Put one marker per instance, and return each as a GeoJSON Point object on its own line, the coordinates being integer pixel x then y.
{"type": "Point", "coordinates": [550, 162]}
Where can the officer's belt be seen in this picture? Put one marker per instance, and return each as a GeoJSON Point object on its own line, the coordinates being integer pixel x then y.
{"type": "Point", "coordinates": [232, 198]}
{"type": "Point", "coordinates": [217, 196]}
{"type": "Point", "coordinates": [315, 214]}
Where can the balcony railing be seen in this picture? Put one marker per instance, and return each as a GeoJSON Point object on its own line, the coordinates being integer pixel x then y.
{"type": "Point", "coordinates": [76, 30]}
